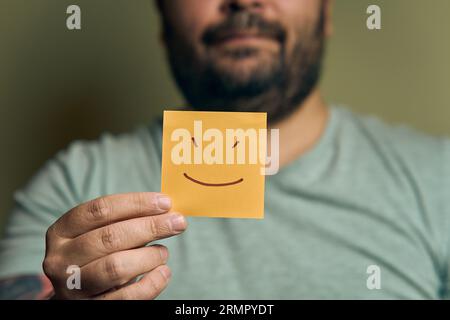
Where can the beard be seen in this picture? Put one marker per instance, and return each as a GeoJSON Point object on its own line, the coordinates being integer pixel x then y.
{"type": "Point", "coordinates": [278, 84]}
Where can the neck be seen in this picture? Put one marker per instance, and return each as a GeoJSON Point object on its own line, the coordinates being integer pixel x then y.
{"type": "Point", "coordinates": [302, 129]}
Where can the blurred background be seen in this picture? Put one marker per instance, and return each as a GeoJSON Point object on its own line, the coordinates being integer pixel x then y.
{"type": "Point", "coordinates": [58, 85]}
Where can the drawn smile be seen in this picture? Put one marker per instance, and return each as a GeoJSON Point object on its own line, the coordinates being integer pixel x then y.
{"type": "Point", "coordinates": [213, 184]}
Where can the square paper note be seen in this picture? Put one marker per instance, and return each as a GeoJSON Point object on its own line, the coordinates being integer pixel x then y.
{"type": "Point", "coordinates": [213, 163]}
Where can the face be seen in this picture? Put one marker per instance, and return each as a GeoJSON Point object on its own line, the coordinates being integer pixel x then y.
{"type": "Point", "coordinates": [246, 55]}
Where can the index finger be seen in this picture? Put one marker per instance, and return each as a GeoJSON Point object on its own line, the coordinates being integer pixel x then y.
{"type": "Point", "coordinates": [109, 209]}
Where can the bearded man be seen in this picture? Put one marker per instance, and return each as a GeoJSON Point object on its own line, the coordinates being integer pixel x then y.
{"type": "Point", "coordinates": [357, 210]}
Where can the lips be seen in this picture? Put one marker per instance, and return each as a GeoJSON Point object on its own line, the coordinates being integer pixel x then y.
{"type": "Point", "coordinates": [207, 184]}
{"type": "Point", "coordinates": [240, 35]}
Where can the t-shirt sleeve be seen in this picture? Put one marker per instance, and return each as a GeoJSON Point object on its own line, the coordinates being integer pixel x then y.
{"type": "Point", "coordinates": [48, 195]}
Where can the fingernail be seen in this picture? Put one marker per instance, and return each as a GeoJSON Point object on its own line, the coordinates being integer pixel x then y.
{"type": "Point", "coordinates": [178, 222]}
{"type": "Point", "coordinates": [164, 254]}
{"type": "Point", "coordinates": [164, 202]}
{"type": "Point", "coordinates": [165, 271]}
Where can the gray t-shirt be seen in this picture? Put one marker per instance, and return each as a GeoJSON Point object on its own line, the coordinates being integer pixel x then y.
{"type": "Point", "coordinates": [368, 194]}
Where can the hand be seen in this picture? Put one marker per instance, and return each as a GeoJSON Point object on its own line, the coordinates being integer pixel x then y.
{"type": "Point", "coordinates": [106, 238]}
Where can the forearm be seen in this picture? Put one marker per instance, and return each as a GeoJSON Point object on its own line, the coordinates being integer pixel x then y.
{"type": "Point", "coordinates": [25, 287]}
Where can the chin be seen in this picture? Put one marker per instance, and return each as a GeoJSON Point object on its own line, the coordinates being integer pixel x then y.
{"type": "Point", "coordinates": [244, 68]}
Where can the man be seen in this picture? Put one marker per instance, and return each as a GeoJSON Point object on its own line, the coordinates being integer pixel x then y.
{"type": "Point", "coordinates": [358, 209]}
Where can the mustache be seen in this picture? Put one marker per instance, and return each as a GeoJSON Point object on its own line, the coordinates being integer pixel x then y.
{"type": "Point", "coordinates": [244, 22]}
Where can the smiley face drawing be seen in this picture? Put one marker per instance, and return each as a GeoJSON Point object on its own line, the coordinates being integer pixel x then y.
{"type": "Point", "coordinates": [208, 184]}
{"type": "Point", "coordinates": [211, 163]}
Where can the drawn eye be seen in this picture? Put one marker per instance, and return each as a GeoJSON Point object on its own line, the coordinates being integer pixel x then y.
{"type": "Point", "coordinates": [235, 144]}
{"type": "Point", "coordinates": [194, 142]}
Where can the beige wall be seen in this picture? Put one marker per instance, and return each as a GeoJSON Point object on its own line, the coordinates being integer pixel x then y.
{"type": "Point", "coordinates": [57, 85]}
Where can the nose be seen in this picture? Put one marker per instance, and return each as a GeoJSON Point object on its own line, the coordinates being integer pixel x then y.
{"type": "Point", "coordinates": [241, 5]}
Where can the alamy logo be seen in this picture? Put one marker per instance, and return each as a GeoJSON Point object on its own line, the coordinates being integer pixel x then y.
{"type": "Point", "coordinates": [374, 280]}
{"type": "Point", "coordinates": [234, 146]}
{"type": "Point", "coordinates": [74, 280]}
{"type": "Point", "coordinates": [374, 20]}
{"type": "Point", "coordinates": [73, 22]}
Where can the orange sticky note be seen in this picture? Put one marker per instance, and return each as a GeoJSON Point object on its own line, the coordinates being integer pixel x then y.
{"type": "Point", "coordinates": [213, 163]}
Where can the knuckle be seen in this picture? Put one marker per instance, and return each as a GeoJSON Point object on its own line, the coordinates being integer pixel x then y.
{"type": "Point", "coordinates": [153, 201]}
{"type": "Point", "coordinates": [109, 240]}
{"type": "Point", "coordinates": [50, 234]}
{"type": "Point", "coordinates": [99, 209]}
{"type": "Point", "coordinates": [113, 269]}
{"type": "Point", "coordinates": [161, 254]}
{"type": "Point", "coordinates": [153, 227]}
{"type": "Point", "coordinates": [138, 200]}
{"type": "Point", "coordinates": [51, 265]}
{"type": "Point", "coordinates": [47, 268]}
{"type": "Point", "coordinates": [145, 202]}
{"type": "Point", "coordinates": [52, 239]}
{"type": "Point", "coordinates": [155, 284]}
{"type": "Point", "coordinates": [128, 295]}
